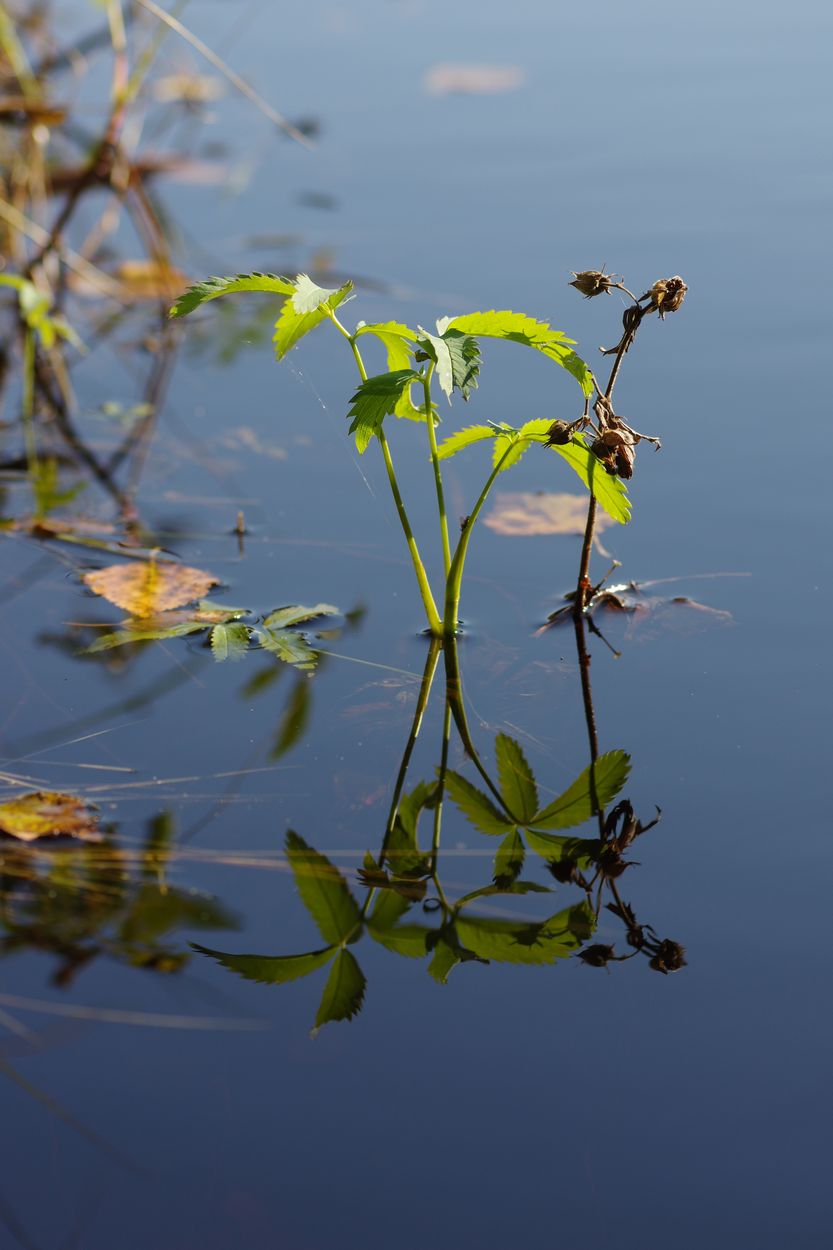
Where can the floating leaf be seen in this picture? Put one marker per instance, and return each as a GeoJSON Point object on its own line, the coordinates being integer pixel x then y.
{"type": "Point", "coordinates": [476, 806]}
{"type": "Point", "coordinates": [509, 860]}
{"type": "Point", "coordinates": [212, 288]}
{"type": "Point", "coordinates": [344, 992]}
{"type": "Point", "coordinates": [609, 491]}
{"type": "Point", "coordinates": [523, 515]}
{"type": "Point", "coordinates": [270, 969]}
{"type": "Point", "coordinates": [306, 308]}
{"type": "Point", "coordinates": [143, 590]}
{"type": "Point", "coordinates": [604, 780]}
{"type": "Point", "coordinates": [283, 618]}
{"type": "Point", "coordinates": [287, 646]}
{"type": "Point", "coordinates": [323, 890]}
{"type": "Point", "coordinates": [517, 782]}
{"type": "Point", "coordinates": [229, 642]}
{"type": "Point", "coordinates": [46, 813]}
{"type": "Point", "coordinates": [518, 328]}
{"type": "Point", "coordinates": [516, 942]}
{"type": "Point", "coordinates": [376, 399]}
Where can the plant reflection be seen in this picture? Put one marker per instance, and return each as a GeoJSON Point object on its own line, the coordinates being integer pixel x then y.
{"type": "Point", "coordinates": [407, 907]}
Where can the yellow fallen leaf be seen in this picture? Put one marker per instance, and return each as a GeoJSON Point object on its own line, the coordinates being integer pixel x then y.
{"type": "Point", "coordinates": [520, 514]}
{"type": "Point", "coordinates": [44, 813]}
{"type": "Point", "coordinates": [144, 590]}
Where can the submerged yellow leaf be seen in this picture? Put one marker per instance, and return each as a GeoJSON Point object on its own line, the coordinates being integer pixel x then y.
{"type": "Point", "coordinates": [521, 515]}
{"type": "Point", "coordinates": [144, 590]}
{"type": "Point", "coordinates": [45, 813]}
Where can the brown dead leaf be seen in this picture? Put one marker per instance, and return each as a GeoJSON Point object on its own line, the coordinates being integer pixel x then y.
{"type": "Point", "coordinates": [449, 79]}
{"type": "Point", "coordinates": [144, 590]}
{"type": "Point", "coordinates": [45, 813]}
{"type": "Point", "coordinates": [521, 515]}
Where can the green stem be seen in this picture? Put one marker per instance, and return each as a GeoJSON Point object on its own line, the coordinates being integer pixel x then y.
{"type": "Point", "coordinates": [454, 695]}
{"type": "Point", "coordinates": [438, 477]}
{"type": "Point", "coordinates": [438, 810]}
{"type": "Point", "coordinates": [455, 574]}
{"type": "Point", "coordinates": [434, 622]}
{"type": "Point", "coordinates": [28, 410]}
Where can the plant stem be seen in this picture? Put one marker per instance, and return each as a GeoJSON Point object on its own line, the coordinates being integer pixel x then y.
{"type": "Point", "coordinates": [454, 695]}
{"type": "Point", "coordinates": [434, 622]}
{"type": "Point", "coordinates": [455, 573]}
{"type": "Point", "coordinates": [438, 479]}
{"type": "Point", "coordinates": [28, 411]}
{"type": "Point", "coordinates": [438, 809]}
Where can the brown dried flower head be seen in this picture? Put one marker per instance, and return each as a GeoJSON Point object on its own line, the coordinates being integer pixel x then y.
{"type": "Point", "coordinates": [558, 434]}
{"type": "Point", "coordinates": [592, 282]}
{"type": "Point", "coordinates": [666, 295]}
{"type": "Point", "coordinates": [668, 957]}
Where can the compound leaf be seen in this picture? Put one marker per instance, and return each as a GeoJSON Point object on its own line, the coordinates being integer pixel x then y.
{"type": "Point", "coordinates": [518, 942]}
{"type": "Point", "coordinates": [229, 642]}
{"type": "Point", "coordinates": [518, 328]}
{"type": "Point", "coordinates": [295, 614]}
{"type": "Point", "coordinates": [307, 307]}
{"type": "Point", "coordinates": [509, 859]}
{"type": "Point", "coordinates": [464, 438]}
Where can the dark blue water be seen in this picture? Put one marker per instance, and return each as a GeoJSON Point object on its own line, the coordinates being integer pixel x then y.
{"type": "Point", "coordinates": [517, 1104]}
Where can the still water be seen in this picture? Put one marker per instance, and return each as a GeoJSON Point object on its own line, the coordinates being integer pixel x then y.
{"type": "Point", "coordinates": [159, 1099]}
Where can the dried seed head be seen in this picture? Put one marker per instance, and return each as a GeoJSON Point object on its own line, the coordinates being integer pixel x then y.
{"type": "Point", "coordinates": [558, 434]}
{"type": "Point", "coordinates": [597, 956]}
{"type": "Point", "coordinates": [592, 282]}
{"type": "Point", "coordinates": [669, 957]}
{"type": "Point", "coordinates": [625, 456]}
{"type": "Point", "coordinates": [666, 295]}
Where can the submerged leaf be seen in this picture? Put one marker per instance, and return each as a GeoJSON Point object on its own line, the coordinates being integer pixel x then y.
{"type": "Point", "coordinates": [143, 590]}
{"type": "Point", "coordinates": [344, 992]}
{"type": "Point", "coordinates": [294, 720]}
{"type": "Point", "coordinates": [270, 969]}
{"type": "Point", "coordinates": [597, 786]}
{"type": "Point", "coordinates": [45, 813]}
{"type": "Point", "coordinates": [323, 890]}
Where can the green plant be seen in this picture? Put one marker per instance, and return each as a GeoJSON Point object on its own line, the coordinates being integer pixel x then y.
{"type": "Point", "coordinates": [599, 448]}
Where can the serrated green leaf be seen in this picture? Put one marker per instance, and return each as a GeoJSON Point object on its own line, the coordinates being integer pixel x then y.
{"type": "Point", "coordinates": [609, 490]}
{"type": "Point", "coordinates": [373, 401]}
{"type": "Point", "coordinates": [270, 969]}
{"type": "Point", "coordinates": [306, 308]}
{"type": "Point", "coordinates": [576, 804]}
{"type": "Point", "coordinates": [464, 438]}
{"type": "Point", "coordinates": [229, 642]}
{"type": "Point", "coordinates": [397, 339]}
{"type": "Point", "coordinates": [445, 960]}
{"type": "Point", "coordinates": [288, 646]}
{"type": "Point", "coordinates": [557, 848]}
{"type": "Point", "coordinates": [476, 806]}
{"type": "Point", "coordinates": [403, 939]}
{"type": "Point", "coordinates": [513, 887]}
{"type": "Point", "coordinates": [464, 354]}
{"type": "Point", "coordinates": [402, 850]}
{"type": "Point", "coordinates": [544, 942]}
{"type": "Point", "coordinates": [323, 890]}
{"type": "Point", "coordinates": [295, 614]}
{"type": "Point", "coordinates": [294, 720]}
{"type": "Point", "coordinates": [344, 992]}
{"type": "Point", "coordinates": [517, 781]}
{"type": "Point", "coordinates": [387, 909]}
{"type": "Point", "coordinates": [518, 328]}
{"type": "Point", "coordinates": [212, 288]}
{"type": "Point", "coordinates": [516, 442]}
{"type": "Point", "coordinates": [509, 859]}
